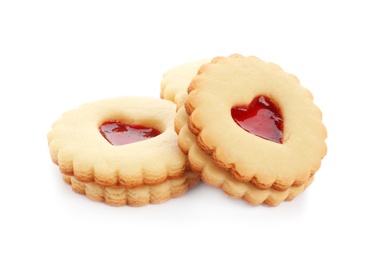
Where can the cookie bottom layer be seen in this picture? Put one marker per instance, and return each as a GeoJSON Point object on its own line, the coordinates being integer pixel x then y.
{"type": "Point", "coordinates": [253, 196]}
{"type": "Point", "coordinates": [140, 196]}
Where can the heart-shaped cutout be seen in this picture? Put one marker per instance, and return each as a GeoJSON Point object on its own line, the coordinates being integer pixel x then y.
{"type": "Point", "coordinates": [117, 133]}
{"type": "Point", "coordinates": [261, 117]}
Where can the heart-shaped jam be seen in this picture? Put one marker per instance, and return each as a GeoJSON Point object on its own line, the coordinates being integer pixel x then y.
{"type": "Point", "coordinates": [261, 118]}
{"type": "Point", "coordinates": [117, 133]}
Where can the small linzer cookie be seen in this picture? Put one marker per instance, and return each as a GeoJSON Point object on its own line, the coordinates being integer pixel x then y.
{"type": "Point", "coordinates": [256, 122]}
{"type": "Point", "coordinates": [175, 82]}
{"type": "Point", "coordinates": [122, 150]}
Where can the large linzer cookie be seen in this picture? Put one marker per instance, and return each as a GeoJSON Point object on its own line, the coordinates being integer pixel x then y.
{"type": "Point", "coordinates": [201, 161]}
{"type": "Point", "coordinates": [256, 122]}
{"type": "Point", "coordinates": [122, 151]}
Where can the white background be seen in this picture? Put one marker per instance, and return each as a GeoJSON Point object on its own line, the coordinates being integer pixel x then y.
{"type": "Point", "coordinates": [56, 55]}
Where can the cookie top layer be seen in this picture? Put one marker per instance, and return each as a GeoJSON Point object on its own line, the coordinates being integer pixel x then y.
{"type": "Point", "coordinates": [235, 81]}
{"type": "Point", "coordinates": [78, 147]}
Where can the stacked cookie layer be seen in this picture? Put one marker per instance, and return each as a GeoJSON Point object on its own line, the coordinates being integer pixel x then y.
{"type": "Point", "coordinates": [225, 153]}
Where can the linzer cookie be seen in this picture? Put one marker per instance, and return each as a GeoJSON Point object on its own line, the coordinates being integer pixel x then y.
{"type": "Point", "coordinates": [122, 151]}
{"type": "Point", "coordinates": [202, 162]}
{"type": "Point", "coordinates": [256, 122]}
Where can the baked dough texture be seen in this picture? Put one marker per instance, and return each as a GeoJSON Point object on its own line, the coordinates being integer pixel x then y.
{"type": "Point", "coordinates": [139, 196]}
{"type": "Point", "coordinates": [175, 82]}
{"type": "Point", "coordinates": [198, 138]}
{"type": "Point", "coordinates": [207, 160]}
{"type": "Point", "coordinates": [218, 177]}
{"type": "Point", "coordinates": [236, 80]}
{"type": "Point", "coordinates": [82, 153]}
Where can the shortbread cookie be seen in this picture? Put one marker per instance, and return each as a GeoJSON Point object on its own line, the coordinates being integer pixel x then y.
{"type": "Point", "coordinates": [175, 82]}
{"type": "Point", "coordinates": [218, 177]}
{"type": "Point", "coordinates": [124, 142]}
{"type": "Point", "coordinates": [256, 122]}
{"type": "Point", "coordinates": [212, 174]}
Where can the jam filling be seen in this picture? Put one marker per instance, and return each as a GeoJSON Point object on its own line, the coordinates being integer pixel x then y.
{"type": "Point", "coordinates": [261, 118]}
{"type": "Point", "coordinates": [117, 133]}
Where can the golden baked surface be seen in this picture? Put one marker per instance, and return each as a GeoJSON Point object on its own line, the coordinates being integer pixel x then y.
{"type": "Point", "coordinates": [150, 171]}
{"type": "Point", "coordinates": [236, 80]}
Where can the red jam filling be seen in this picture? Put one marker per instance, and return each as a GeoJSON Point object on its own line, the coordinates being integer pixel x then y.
{"type": "Point", "coordinates": [117, 133]}
{"type": "Point", "coordinates": [261, 118]}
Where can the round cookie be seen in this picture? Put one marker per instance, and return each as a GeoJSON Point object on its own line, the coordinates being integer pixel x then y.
{"type": "Point", "coordinates": [83, 144]}
{"type": "Point", "coordinates": [256, 89]}
{"type": "Point", "coordinates": [175, 82]}
{"type": "Point", "coordinates": [218, 177]}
